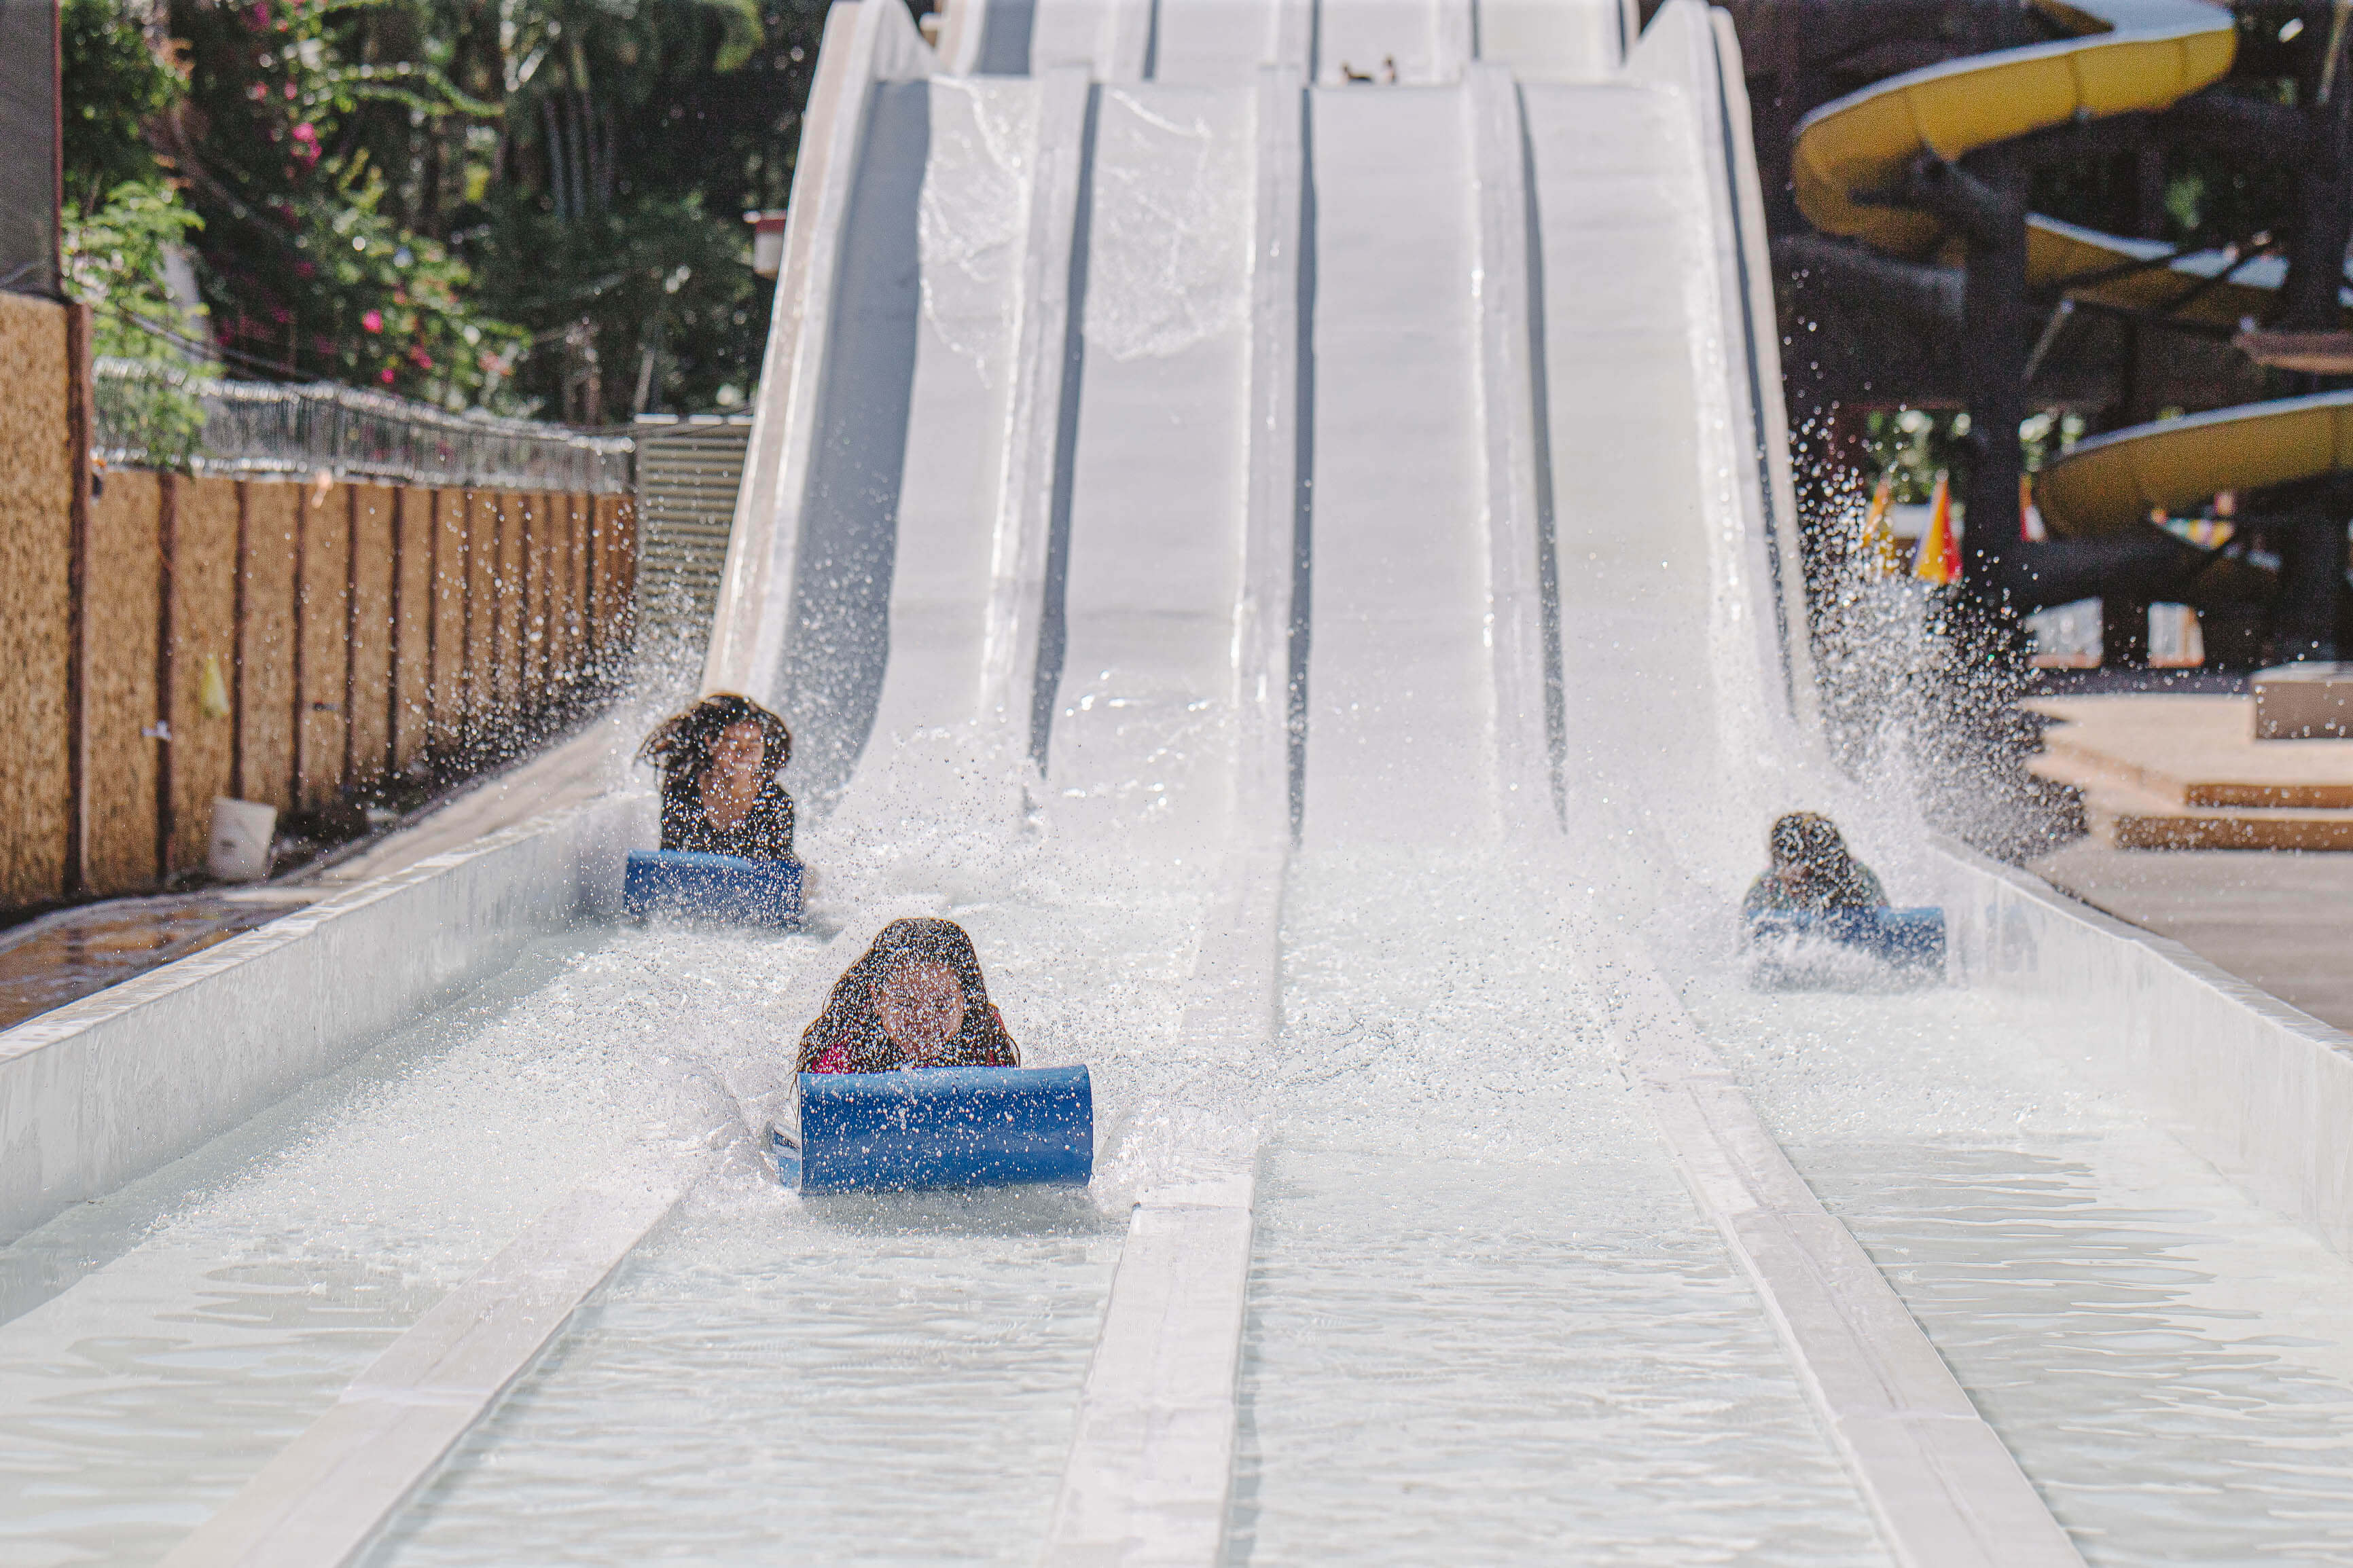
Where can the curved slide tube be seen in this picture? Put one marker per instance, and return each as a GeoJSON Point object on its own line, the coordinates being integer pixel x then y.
{"type": "Point", "coordinates": [2138, 55]}
{"type": "Point", "coordinates": [2111, 482]}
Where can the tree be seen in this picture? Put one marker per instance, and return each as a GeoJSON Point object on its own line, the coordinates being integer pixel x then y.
{"type": "Point", "coordinates": [308, 273]}
{"type": "Point", "coordinates": [534, 205]}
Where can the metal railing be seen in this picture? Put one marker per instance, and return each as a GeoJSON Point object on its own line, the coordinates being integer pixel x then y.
{"type": "Point", "coordinates": [155, 416]}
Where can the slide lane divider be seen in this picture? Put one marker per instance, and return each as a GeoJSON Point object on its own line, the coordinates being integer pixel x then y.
{"type": "Point", "coordinates": [1150, 1471]}
{"type": "Point", "coordinates": [1041, 415]}
{"type": "Point", "coordinates": [1150, 1465]}
{"type": "Point", "coordinates": [1944, 1489]}
{"type": "Point", "coordinates": [328, 1494]}
{"type": "Point", "coordinates": [1523, 587]}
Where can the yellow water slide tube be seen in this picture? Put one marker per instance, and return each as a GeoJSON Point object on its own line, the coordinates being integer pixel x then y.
{"type": "Point", "coordinates": [2212, 287]}
{"type": "Point", "coordinates": [2111, 482]}
{"type": "Point", "coordinates": [2133, 55]}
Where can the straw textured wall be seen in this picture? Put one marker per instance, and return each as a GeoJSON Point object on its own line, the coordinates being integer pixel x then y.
{"type": "Point", "coordinates": [613, 591]}
{"type": "Point", "coordinates": [268, 551]}
{"type": "Point", "coordinates": [119, 603]}
{"type": "Point", "coordinates": [323, 606]}
{"type": "Point", "coordinates": [203, 620]}
{"type": "Point", "coordinates": [411, 579]}
{"type": "Point", "coordinates": [485, 525]}
{"type": "Point", "coordinates": [350, 631]}
{"type": "Point", "coordinates": [368, 677]}
{"type": "Point", "coordinates": [36, 483]}
{"type": "Point", "coordinates": [451, 627]}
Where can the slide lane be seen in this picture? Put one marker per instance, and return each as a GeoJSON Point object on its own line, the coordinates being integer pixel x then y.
{"type": "Point", "coordinates": [1400, 692]}
{"type": "Point", "coordinates": [1092, 937]}
{"type": "Point", "coordinates": [1461, 1209]}
{"type": "Point", "coordinates": [1142, 746]}
{"type": "Point", "coordinates": [2031, 1220]}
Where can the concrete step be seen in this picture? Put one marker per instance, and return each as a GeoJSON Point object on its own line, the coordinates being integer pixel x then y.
{"type": "Point", "coordinates": [2197, 751]}
{"type": "Point", "coordinates": [2124, 813]}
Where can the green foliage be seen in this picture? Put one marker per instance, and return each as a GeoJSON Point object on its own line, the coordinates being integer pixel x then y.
{"type": "Point", "coordinates": [531, 204]}
{"type": "Point", "coordinates": [115, 261]}
{"type": "Point", "coordinates": [114, 88]}
{"type": "Point", "coordinates": [651, 288]}
{"type": "Point", "coordinates": [313, 276]}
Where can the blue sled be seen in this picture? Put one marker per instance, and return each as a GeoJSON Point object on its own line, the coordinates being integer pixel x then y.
{"type": "Point", "coordinates": [1909, 939]}
{"type": "Point", "coordinates": [712, 887]}
{"type": "Point", "coordinates": [938, 1127]}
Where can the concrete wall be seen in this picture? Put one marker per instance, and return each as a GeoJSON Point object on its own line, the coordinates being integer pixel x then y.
{"type": "Point", "coordinates": [356, 629]}
{"type": "Point", "coordinates": [108, 1088]}
{"type": "Point", "coordinates": [2260, 1089]}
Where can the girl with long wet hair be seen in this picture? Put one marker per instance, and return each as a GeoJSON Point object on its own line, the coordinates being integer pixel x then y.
{"type": "Point", "coordinates": [719, 762]}
{"type": "Point", "coordinates": [915, 999]}
{"type": "Point", "coordinates": [1813, 872]}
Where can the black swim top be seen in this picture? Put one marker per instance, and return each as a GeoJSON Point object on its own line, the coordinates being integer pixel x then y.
{"type": "Point", "coordinates": [765, 834]}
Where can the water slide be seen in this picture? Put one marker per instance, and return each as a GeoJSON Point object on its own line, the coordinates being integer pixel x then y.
{"type": "Point", "coordinates": [2129, 55]}
{"type": "Point", "coordinates": [1302, 569]}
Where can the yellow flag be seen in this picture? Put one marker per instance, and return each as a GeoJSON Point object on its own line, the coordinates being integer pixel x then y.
{"type": "Point", "coordinates": [1881, 555]}
{"type": "Point", "coordinates": [1939, 559]}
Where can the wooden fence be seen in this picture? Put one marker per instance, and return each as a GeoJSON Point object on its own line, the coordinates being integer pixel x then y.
{"type": "Point", "coordinates": [170, 639]}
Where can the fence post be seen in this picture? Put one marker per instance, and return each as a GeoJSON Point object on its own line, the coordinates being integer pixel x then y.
{"type": "Point", "coordinates": [167, 542]}
{"type": "Point", "coordinates": [78, 437]}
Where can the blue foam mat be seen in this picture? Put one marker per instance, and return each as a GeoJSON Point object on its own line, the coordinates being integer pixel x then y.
{"type": "Point", "coordinates": [941, 1127]}
{"type": "Point", "coordinates": [712, 887]}
{"type": "Point", "coordinates": [1913, 938]}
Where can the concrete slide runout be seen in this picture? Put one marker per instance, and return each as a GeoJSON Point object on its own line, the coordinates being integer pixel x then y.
{"type": "Point", "coordinates": [2262, 1092]}
{"type": "Point", "coordinates": [330, 1493]}
{"type": "Point", "coordinates": [119, 1084]}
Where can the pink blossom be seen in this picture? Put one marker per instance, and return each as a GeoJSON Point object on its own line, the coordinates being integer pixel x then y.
{"type": "Point", "coordinates": [373, 320]}
{"type": "Point", "coordinates": [305, 132]}
{"type": "Point", "coordinates": [385, 375]}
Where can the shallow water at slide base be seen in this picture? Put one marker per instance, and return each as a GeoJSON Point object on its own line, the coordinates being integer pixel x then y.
{"type": "Point", "coordinates": [888, 1380]}
{"type": "Point", "coordinates": [1487, 1324]}
{"type": "Point", "coordinates": [2170, 1361]}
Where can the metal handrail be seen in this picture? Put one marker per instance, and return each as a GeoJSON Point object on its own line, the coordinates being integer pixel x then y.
{"type": "Point", "coordinates": [260, 427]}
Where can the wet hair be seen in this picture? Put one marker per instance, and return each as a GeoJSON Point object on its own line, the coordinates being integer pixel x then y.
{"type": "Point", "coordinates": [1805, 838]}
{"type": "Point", "coordinates": [850, 1019]}
{"type": "Point", "coordinates": [681, 745]}
{"type": "Point", "coordinates": [1808, 838]}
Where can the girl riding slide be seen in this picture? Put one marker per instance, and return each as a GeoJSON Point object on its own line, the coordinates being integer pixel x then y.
{"type": "Point", "coordinates": [719, 763]}
{"type": "Point", "coordinates": [916, 999]}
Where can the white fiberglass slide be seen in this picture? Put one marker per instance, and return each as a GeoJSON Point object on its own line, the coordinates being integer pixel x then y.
{"type": "Point", "coordinates": [1161, 399]}
{"type": "Point", "coordinates": [1400, 705]}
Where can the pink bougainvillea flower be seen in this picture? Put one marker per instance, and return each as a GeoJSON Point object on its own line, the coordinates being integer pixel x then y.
{"type": "Point", "coordinates": [305, 132]}
{"type": "Point", "coordinates": [373, 320]}
{"type": "Point", "coordinates": [385, 375]}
